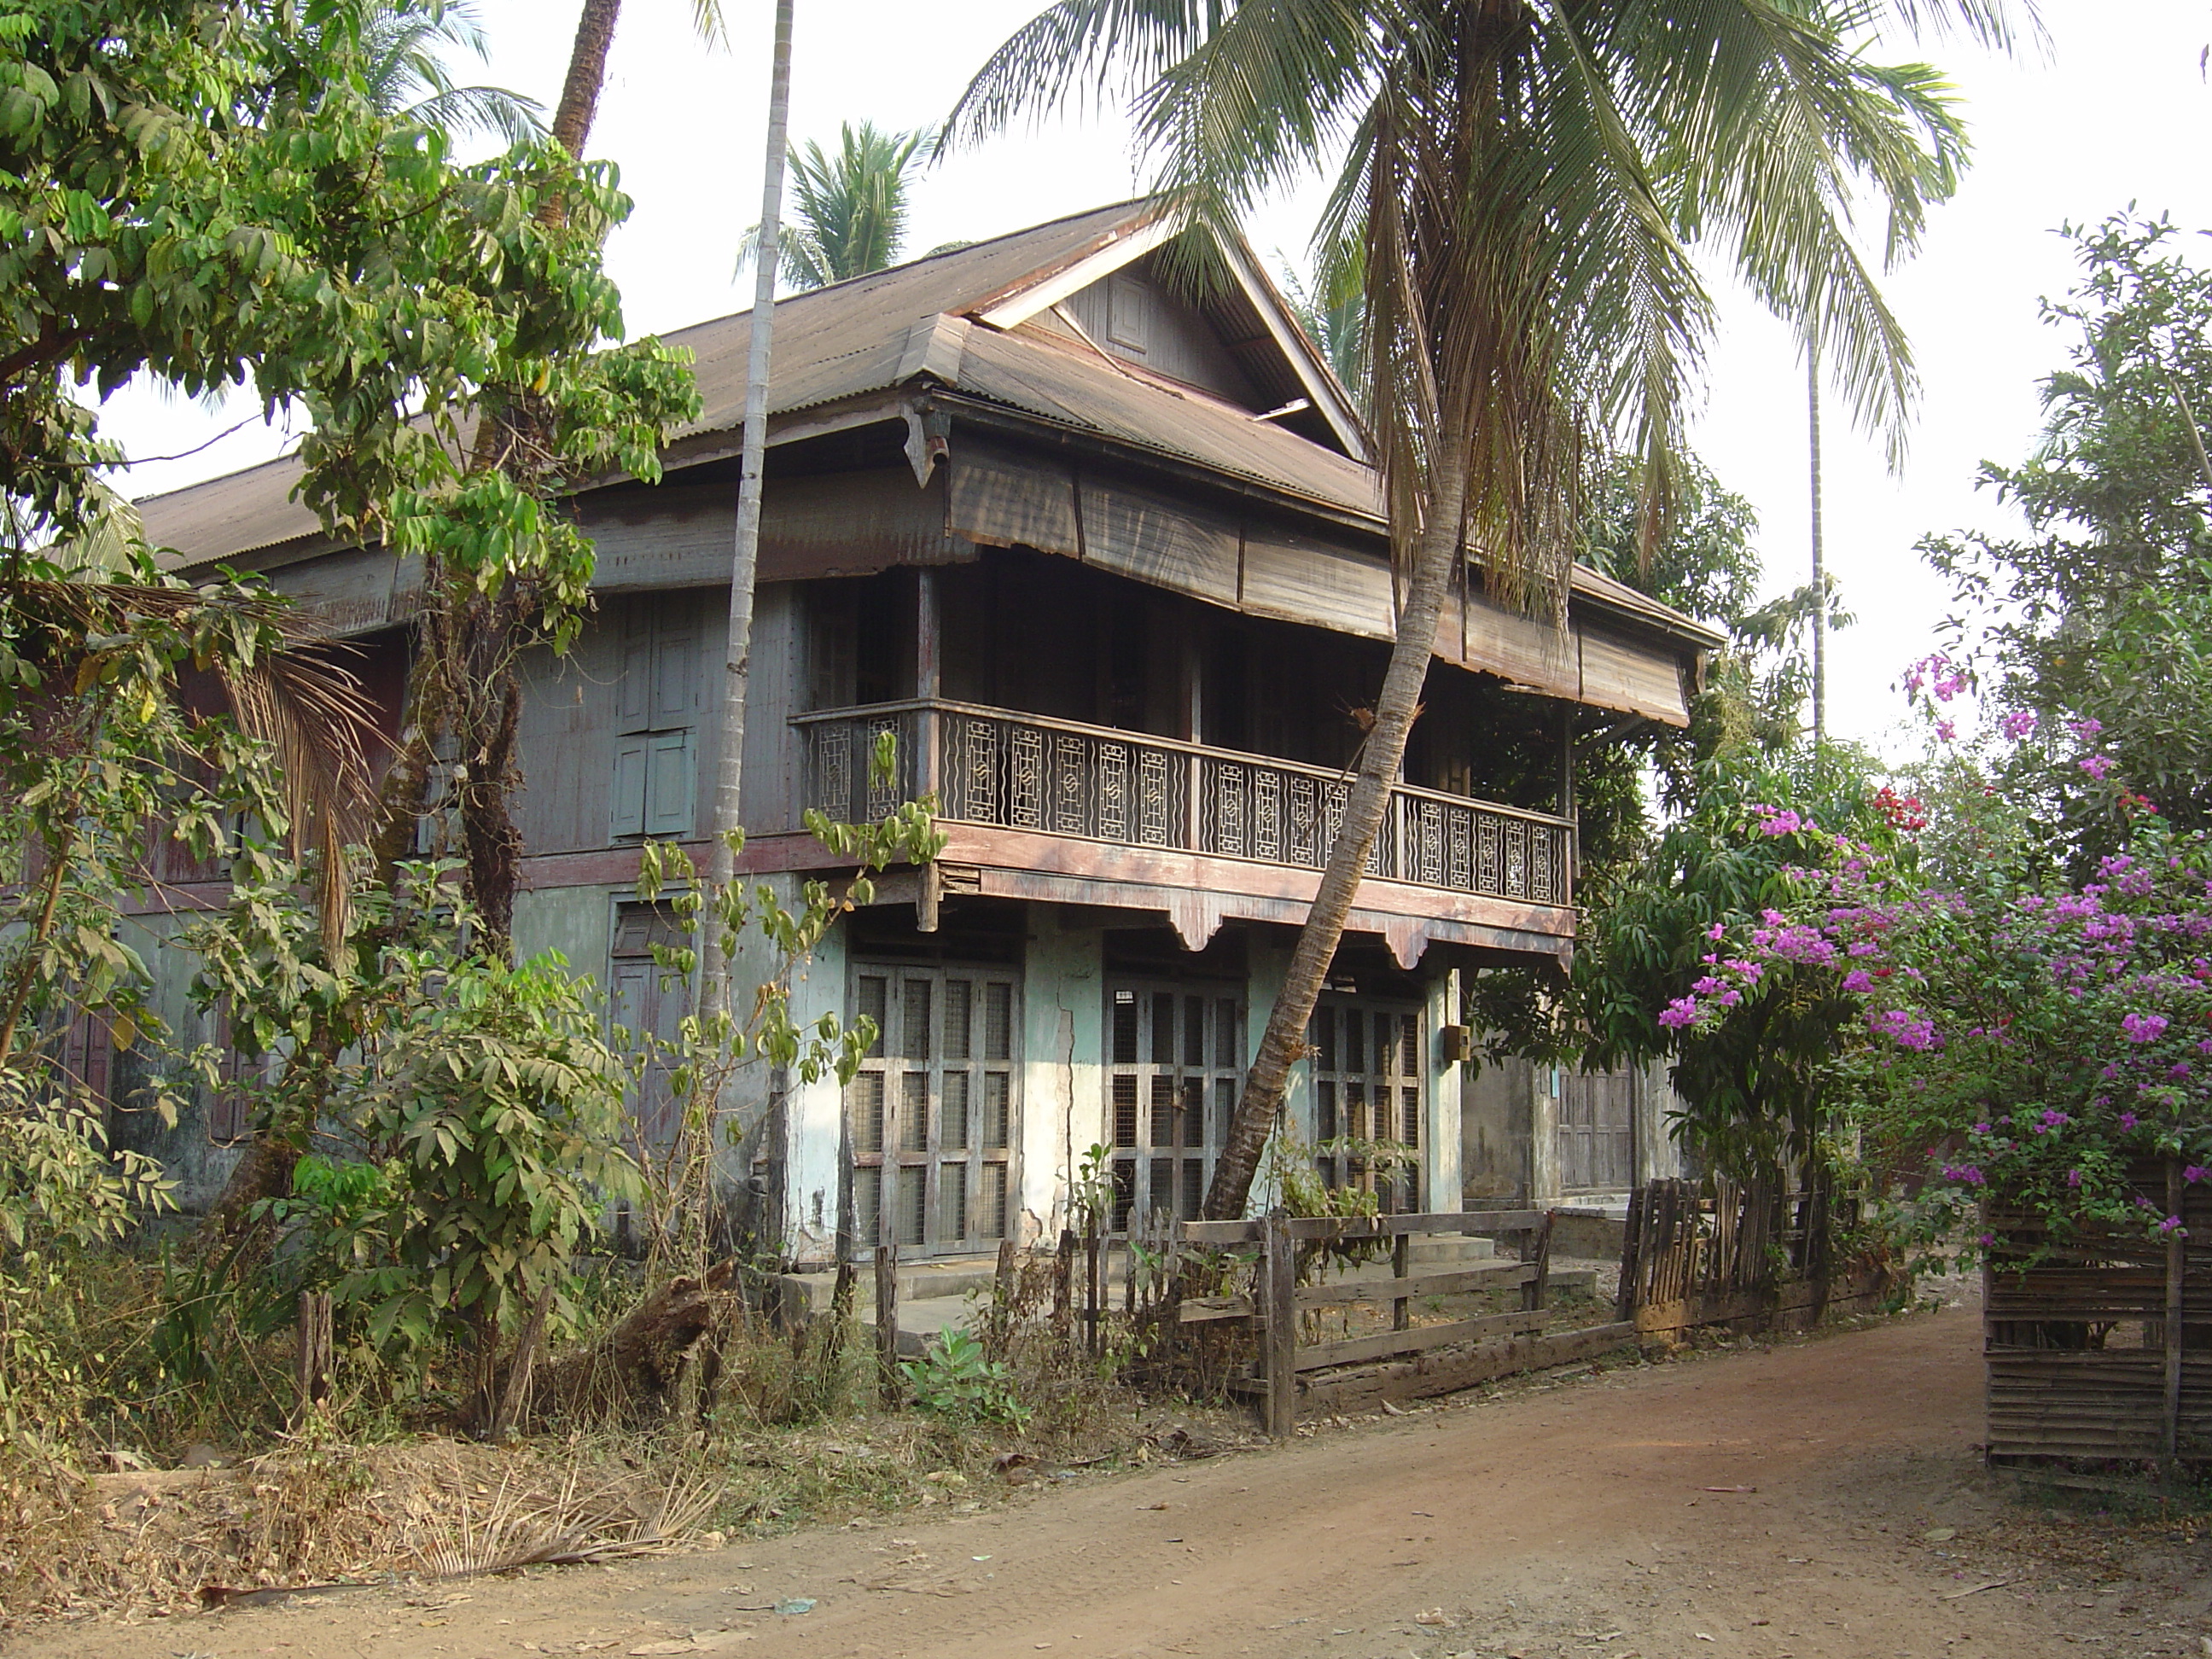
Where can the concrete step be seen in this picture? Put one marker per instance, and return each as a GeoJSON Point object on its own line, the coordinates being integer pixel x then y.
{"type": "Point", "coordinates": [1429, 1250]}
{"type": "Point", "coordinates": [950, 1282]}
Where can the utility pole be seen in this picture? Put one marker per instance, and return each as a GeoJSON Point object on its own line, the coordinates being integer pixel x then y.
{"type": "Point", "coordinates": [728, 815]}
{"type": "Point", "coordinates": [1820, 560]}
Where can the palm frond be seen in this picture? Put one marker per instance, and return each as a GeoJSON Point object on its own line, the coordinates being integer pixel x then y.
{"type": "Point", "coordinates": [849, 211]}
{"type": "Point", "coordinates": [297, 698]}
{"type": "Point", "coordinates": [1075, 51]}
{"type": "Point", "coordinates": [707, 20]}
{"type": "Point", "coordinates": [404, 44]}
{"type": "Point", "coordinates": [1521, 185]}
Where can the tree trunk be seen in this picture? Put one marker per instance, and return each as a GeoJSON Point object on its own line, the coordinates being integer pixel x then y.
{"type": "Point", "coordinates": [736, 646]}
{"type": "Point", "coordinates": [587, 74]}
{"type": "Point", "coordinates": [1436, 549]}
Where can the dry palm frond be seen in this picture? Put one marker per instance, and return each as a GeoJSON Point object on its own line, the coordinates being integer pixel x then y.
{"type": "Point", "coordinates": [523, 1526]}
{"type": "Point", "coordinates": [312, 712]}
{"type": "Point", "coordinates": [295, 697]}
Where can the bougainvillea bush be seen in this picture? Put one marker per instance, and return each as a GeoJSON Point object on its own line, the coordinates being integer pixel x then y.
{"type": "Point", "coordinates": [2016, 1036]}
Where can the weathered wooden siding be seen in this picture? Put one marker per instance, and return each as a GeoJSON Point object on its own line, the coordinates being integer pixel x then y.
{"type": "Point", "coordinates": [1132, 316]}
{"type": "Point", "coordinates": [2097, 1343]}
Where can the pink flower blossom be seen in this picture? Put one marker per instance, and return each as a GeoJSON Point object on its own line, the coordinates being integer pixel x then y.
{"type": "Point", "coordinates": [2019, 723]}
{"type": "Point", "coordinates": [2096, 765]}
{"type": "Point", "coordinates": [2143, 1028]}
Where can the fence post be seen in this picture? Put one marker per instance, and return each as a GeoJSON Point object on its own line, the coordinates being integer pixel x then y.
{"type": "Point", "coordinates": [1401, 1267]}
{"type": "Point", "coordinates": [1627, 1297]}
{"type": "Point", "coordinates": [1281, 1333]}
{"type": "Point", "coordinates": [887, 1372]}
{"type": "Point", "coordinates": [1063, 1288]}
{"type": "Point", "coordinates": [1094, 1291]}
{"type": "Point", "coordinates": [2176, 1260]}
{"type": "Point", "coordinates": [1536, 1292]}
{"type": "Point", "coordinates": [316, 1355]}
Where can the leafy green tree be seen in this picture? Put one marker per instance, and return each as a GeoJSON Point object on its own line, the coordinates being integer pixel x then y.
{"type": "Point", "coordinates": [1757, 1077]}
{"type": "Point", "coordinates": [2095, 629]}
{"type": "Point", "coordinates": [1518, 202]}
{"type": "Point", "coordinates": [849, 211]}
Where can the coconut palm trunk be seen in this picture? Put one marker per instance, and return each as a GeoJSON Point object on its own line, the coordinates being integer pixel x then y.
{"type": "Point", "coordinates": [587, 74]}
{"type": "Point", "coordinates": [1395, 709]}
{"type": "Point", "coordinates": [737, 642]}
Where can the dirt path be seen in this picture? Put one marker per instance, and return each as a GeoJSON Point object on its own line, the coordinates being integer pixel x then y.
{"type": "Point", "coordinates": [1577, 1518]}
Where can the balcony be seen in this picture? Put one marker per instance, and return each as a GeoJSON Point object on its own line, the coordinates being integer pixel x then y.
{"type": "Point", "coordinates": [1224, 833]}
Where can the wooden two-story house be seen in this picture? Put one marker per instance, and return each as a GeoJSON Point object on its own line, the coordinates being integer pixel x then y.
{"type": "Point", "coordinates": [1103, 548]}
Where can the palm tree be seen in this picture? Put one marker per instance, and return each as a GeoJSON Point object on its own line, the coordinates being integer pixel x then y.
{"type": "Point", "coordinates": [1521, 183]}
{"type": "Point", "coordinates": [849, 211]}
{"type": "Point", "coordinates": [400, 51]}
{"type": "Point", "coordinates": [588, 66]}
{"type": "Point", "coordinates": [405, 44]}
{"type": "Point", "coordinates": [1335, 321]}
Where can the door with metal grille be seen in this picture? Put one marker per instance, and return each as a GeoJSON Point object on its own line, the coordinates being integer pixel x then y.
{"type": "Point", "coordinates": [932, 1115]}
{"type": "Point", "coordinates": [1175, 1057]}
{"type": "Point", "coordinates": [1368, 1087]}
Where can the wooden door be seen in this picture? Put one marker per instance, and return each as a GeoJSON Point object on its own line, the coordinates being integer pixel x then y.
{"type": "Point", "coordinates": [650, 1003]}
{"type": "Point", "coordinates": [1597, 1131]}
{"type": "Point", "coordinates": [933, 1116]}
{"type": "Point", "coordinates": [1368, 1088]}
{"type": "Point", "coordinates": [1175, 1056]}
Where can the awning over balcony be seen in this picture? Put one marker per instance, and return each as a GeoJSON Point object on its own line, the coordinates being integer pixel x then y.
{"type": "Point", "coordinates": [1255, 563]}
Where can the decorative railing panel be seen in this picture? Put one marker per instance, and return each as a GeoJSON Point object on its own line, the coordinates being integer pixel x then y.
{"type": "Point", "coordinates": [1027, 772]}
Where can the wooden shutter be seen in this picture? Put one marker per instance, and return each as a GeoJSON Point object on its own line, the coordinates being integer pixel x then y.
{"type": "Point", "coordinates": [670, 772]}
{"type": "Point", "coordinates": [626, 790]}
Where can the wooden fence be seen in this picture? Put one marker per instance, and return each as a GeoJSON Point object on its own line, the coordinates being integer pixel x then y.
{"type": "Point", "coordinates": [1400, 1362]}
{"type": "Point", "coordinates": [1756, 1255]}
{"type": "Point", "coordinates": [1752, 1257]}
{"type": "Point", "coordinates": [2099, 1344]}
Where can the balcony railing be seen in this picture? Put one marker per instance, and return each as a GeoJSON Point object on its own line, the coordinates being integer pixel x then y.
{"type": "Point", "coordinates": [1027, 772]}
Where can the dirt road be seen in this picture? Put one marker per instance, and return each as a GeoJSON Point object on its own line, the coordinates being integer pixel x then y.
{"type": "Point", "coordinates": [1774, 1504]}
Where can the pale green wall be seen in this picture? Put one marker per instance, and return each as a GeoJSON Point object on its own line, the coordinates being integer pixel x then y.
{"type": "Point", "coordinates": [1063, 1077]}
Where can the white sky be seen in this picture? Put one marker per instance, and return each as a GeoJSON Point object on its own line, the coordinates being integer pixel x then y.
{"type": "Point", "coordinates": [2115, 112]}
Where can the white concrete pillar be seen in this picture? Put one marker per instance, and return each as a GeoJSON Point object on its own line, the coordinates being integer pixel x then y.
{"type": "Point", "coordinates": [1268, 963]}
{"type": "Point", "coordinates": [813, 1113]}
{"type": "Point", "coordinates": [1063, 1076]}
{"type": "Point", "coordinates": [1544, 1173]}
{"type": "Point", "coordinates": [1441, 1183]}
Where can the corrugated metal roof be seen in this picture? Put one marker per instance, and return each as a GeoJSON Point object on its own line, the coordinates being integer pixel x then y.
{"type": "Point", "coordinates": [858, 336]}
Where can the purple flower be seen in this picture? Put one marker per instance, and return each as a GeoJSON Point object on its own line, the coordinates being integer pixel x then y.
{"type": "Point", "coordinates": [2085, 730]}
{"type": "Point", "coordinates": [2129, 1119]}
{"type": "Point", "coordinates": [1717, 931]}
{"type": "Point", "coordinates": [1681, 1012]}
{"type": "Point", "coordinates": [2171, 1225]}
{"type": "Point", "coordinates": [2196, 1172]}
{"type": "Point", "coordinates": [2018, 724]}
{"type": "Point", "coordinates": [1945, 731]}
{"type": "Point", "coordinates": [1981, 1128]}
{"type": "Point", "coordinates": [1858, 980]}
{"type": "Point", "coordinates": [1781, 824]}
{"type": "Point", "coordinates": [2096, 765]}
{"type": "Point", "coordinates": [2143, 1028]}
{"type": "Point", "coordinates": [2073, 1178]}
